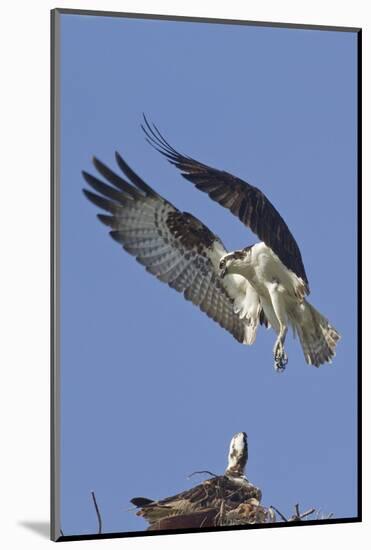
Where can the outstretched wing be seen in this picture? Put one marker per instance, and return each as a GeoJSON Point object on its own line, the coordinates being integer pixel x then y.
{"type": "Point", "coordinates": [245, 201]}
{"type": "Point", "coordinates": [172, 245]}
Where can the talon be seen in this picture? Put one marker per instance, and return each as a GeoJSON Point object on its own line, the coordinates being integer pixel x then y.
{"type": "Point", "coordinates": [280, 360]}
{"type": "Point", "coordinates": [279, 366]}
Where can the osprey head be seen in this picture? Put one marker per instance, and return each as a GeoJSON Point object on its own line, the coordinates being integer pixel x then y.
{"type": "Point", "coordinates": [233, 262]}
{"type": "Point", "coordinates": [237, 457]}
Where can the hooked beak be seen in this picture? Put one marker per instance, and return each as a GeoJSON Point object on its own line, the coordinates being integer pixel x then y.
{"type": "Point", "coordinates": [223, 272]}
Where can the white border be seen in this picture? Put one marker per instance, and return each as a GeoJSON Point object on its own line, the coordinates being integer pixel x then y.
{"type": "Point", "coordinates": [24, 223]}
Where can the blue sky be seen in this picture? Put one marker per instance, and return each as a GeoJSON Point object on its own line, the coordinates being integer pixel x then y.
{"type": "Point", "coordinates": [151, 389]}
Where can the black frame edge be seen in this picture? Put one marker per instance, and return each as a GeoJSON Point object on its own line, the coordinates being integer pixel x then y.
{"type": "Point", "coordinates": [359, 266]}
{"type": "Point", "coordinates": [56, 533]}
{"type": "Point", "coordinates": [197, 19]}
{"type": "Point", "coordinates": [232, 528]}
{"type": "Point", "coordinates": [54, 277]}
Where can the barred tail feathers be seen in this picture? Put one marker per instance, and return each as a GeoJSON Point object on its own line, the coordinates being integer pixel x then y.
{"type": "Point", "coordinates": [318, 338]}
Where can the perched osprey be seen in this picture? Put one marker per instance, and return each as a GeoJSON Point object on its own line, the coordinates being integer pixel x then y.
{"type": "Point", "coordinates": [229, 499]}
{"type": "Point", "coordinates": [262, 284]}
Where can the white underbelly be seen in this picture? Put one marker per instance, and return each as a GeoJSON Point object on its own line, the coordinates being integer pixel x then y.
{"type": "Point", "coordinates": [269, 269]}
{"type": "Point", "coordinates": [270, 280]}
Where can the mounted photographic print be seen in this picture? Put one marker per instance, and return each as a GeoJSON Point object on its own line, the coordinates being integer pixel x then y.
{"type": "Point", "coordinates": [205, 280]}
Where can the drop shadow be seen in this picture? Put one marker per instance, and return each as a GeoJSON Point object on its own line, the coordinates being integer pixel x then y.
{"type": "Point", "coordinates": [42, 528]}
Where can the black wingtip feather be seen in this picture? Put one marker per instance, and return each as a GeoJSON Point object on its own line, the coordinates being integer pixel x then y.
{"type": "Point", "coordinates": [107, 220]}
{"type": "Point", "coordinates": [116, 236]}
{"type": "Point", "coordinates": [116, 180]}
{"type": "Point", "coordinates": [86, 176]}
{"type": "Point", "coordinates": [156, 139]}
{"type": "Point", "coordinates": [106, 190]}
{"type": "Point", "coordinates": [133, 177]}
{"type": "Point", "coordinates": [99, 201]}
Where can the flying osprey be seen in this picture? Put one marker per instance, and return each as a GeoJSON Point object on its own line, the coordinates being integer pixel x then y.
{"type": "Point", "coordinates": [262, 284]}
{"type": "Point", "coordinates": [229, 499]}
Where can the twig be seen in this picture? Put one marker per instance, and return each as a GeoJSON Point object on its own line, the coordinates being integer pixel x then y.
{"type": "Point", "coordinates": [320, 515]}
{"type": "Point", "coordinates": [307, 513]}
{"type": "Point", "coordinates": [279, 513]}
{"type": "Point", "coordinates": [98, 513]}
{"type": "Point", "coordinates": [297, 516]}
{"type": "Point", "coordinates": [202, 472]}
{"type": "Point", "coordinates": [218, 520]}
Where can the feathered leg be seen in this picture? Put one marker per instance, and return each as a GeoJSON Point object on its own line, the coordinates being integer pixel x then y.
{"type": "Point", "coordinates": [280, 356]}
{"type": "Point", "coordinates": [277, 293]}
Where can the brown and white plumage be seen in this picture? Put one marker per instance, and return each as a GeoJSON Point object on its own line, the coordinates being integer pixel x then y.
{"type": "Point", "coordinates": [273, 268]}
{"type": "Point", "coordinates": [264, 284]}
{"type": "Point", "coordinates": [174, 246]}
{"type": "Point", "coordinates": [242, 199]}
{"type": "Point", "coordinates": [221, 500]}
{"type": "Point", "coordinates": [248, 513]}
{"type": "Point", "coordinates": [208, 495]}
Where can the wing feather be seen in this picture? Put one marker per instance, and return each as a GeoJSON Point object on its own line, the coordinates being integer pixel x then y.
{"type": "Point", "coordinates": [244, 200]}
{"type": "Point", "coordinates": [172, 245]}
